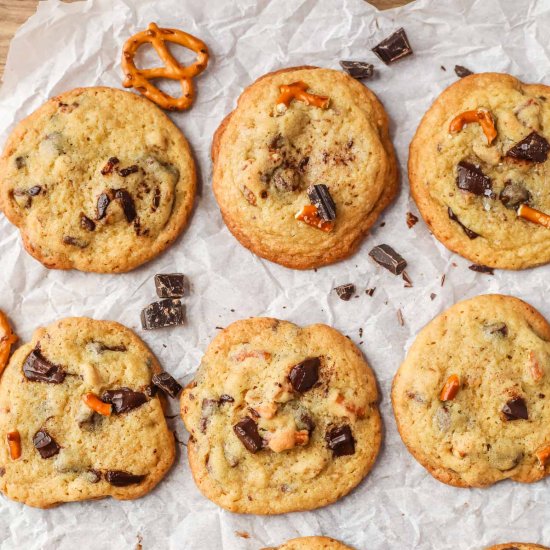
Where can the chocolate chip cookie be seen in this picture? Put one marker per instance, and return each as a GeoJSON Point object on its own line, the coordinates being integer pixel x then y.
{"type": "Point", "coordinates": [518, 546]}
{"type": "Point", "coordinates": [281, 418]}
{"type": "Point", "coordinates": [471, 398]}
{"type": "Point", "coordinates": [304, 166]}
{"type": "Point", "coordinates": [479, 170]}
{"type": "Point", "coordinates": [312, 543]}
{"type": "Point", "coordinates": [97, 179]}
{"type": "Point", "coordinates": [80, 417]}
{"type": "Point", "coordinates": [7, 339]}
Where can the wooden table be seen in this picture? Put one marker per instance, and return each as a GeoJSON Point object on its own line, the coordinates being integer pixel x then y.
{"type": "Point", "coordinates": [13, 13]}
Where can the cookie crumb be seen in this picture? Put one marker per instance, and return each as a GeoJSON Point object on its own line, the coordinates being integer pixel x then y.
{"type": "Point", "coordinates": [400, 317]}
{"type": "Point", "coordinates": [242, 534]}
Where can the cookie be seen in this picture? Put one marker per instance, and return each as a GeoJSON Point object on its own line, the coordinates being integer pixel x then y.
{"type": "Point", "coordinates": [7, 339]}
{"type": "Point", "coordinates": [281, 418]}
{"type": "Point", "coordinates": [518, 546]}
{"type": "Point", "coordinates": [312, 543]}
{"type": "Point", "coordinates": [97, 179]}
{"type": "Point", "coordinates": [79, 418]}
{"type": "Point", "coordinates": [304, 166]}
{"type": "Point", "coordinates": [479, 154]}
{"type": "Point", "coordinates": [471, 398]}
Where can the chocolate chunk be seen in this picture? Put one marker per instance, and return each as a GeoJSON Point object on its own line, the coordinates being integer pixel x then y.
{"type": "Point", "coordinates": [123, 399]}
{"type": "Point", "coordinates": [305, 375]}
{"type": "Point", "coordinates": [340, 440]}
{"type": "Point", "coordinates": [75, 241]}
{"type": "Point", "coordinates": [127, 203]}
{"type": "Point", "coordinates": [38, 369]}
{"type": "Point", "coordinates": [305, 422]}
{"type": "Point", "coordinates": [469, 233]}
{"type": "Point", "coordinates": [155, 202]}
{"type": "Point", "coordinates": [170, 285]}
{"type": "Point", "coordinates": [407, 279]}
{"type": "Point", "coordinates": [108, 168]}
{"type": "Point", "coordinates": [151, 391]}
{"type": "Point", "coordinates": [462, 71]}
{"type": "Point", "coordinates": [20, 162]}
{"type": "Point", "coordinates": [103, 202]}
{"type": "Point", "coordinates": [129, 170]}
{"type": "Point", "coordinates": [411, 219]}
{"type": "Point", "coordinates": [345, 292]}
{"type": "Point", "coordinates": [224, 398]}
{"type": "Point", "coordinates": [394, 47]}
{"type": "Point", "coordinates": [482, 269]}
{"type": "Point", "coordinates": [45, 444]}
{"type": "Point", "coordinates": [167, 384]}
{"type": "Point", "coordinates": [34, 191]}
{"type": "Point", "coordinates": [534, 148]}
{"type": "Point", "coordinates": [285, 179]}
{"type": "Point", "coordinates": [100, 347]}
{"type": "Point", "coordinates": [166, 313]}
{"type": "Point", "coordinates": [358, 69]}
{"type": "Point", "coordinates": [86, 223]}
{"type": "Point", "coordinates": [370, 291]}
{"type": "Point", "coordinates": [387, 257]}
{"type": "Point", "coordinates": [515, 409]}
{"type": "Point", "coordinates": [247, 431]}
{"type": "Point", "coordinates": [119, 478]}
{"type": "Point", "coordinates": [497, 329]}
{"type": "Point", "coordinates": [471, 178]}
{"type": "Point", "coordinates": [319, 196]}
{"type": "Point", "coordinates": [513, 194]}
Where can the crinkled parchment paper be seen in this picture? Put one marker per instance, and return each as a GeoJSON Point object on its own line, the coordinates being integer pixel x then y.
{"type": "Point", "coordinates": [399, 505]}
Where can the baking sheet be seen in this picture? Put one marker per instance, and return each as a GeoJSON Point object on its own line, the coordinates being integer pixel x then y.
{"type": "Point", "coordinates": [399, 505]}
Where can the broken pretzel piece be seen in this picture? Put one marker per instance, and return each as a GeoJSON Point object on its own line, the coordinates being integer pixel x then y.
{"type": "Point", "coordinates": [95, 403]}
{"type": "Point", "coordinates": [309, 214]}
{"type": "Point", "coordinates": [7, 338]}
{"type": "Point", "coordinates": [481, 116]}
{"type": "Point", "coordinates": [450, 389]}
{"type": "Point", "coordinates": [533, 215]}
{"type": "Point", "coordinates": [14, 444]}
{"type": "Point", "coordinates": [543, 455]}
{"type": "Point", "coordinates": [298, 91]}
{"type": "Point", "coordinates": [534, 366]}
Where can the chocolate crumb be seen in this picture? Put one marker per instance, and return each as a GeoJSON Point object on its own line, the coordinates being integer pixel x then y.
{"type": "Point", "coordinates": [482, 269]}
{"type": "Point", "coordinates": [370, 291]}
{"type": "Point", "coordinates": [443, 279]}
{"type": "Point", "coordinates": [433, 296]}
{"type": "Point", "coordinates": [129, 170]}
{"type": "Point", "coordinates": [86, 223]}
{"type": "Point", "coordinates": [358, 69]}
{"type": "Point", "coordinates": [407, 279]}
{"type": "Point", "coordinates": [345, 292]}
{"type": "Point", "coordinates": [411, 219]}
{"type": "Point", "coordinates": [400, 319]}
{"type": "Point", "coordinates": [461, 71]}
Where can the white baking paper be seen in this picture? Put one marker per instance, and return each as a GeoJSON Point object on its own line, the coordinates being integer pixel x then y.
{"type": "Point", "coordinates": [399, 505]}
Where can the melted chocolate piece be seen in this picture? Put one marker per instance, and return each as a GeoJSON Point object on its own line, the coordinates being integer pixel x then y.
{"type": "Point", "coordinates": [75, 241]}
{"type": "Point", "coordinates": [155, 202]}
{"type": "Point", "coordinates": [170, 285]}
{"type": "Point", "coordinates": [340, 440]}
{"type": "Point", "coordinates": [38, 369]}
{"type": "Point", "coordinates": [515, 409]}
{"type": "Point", "coordinates": [123, 399]}
{"type": "Point", "coordinates": [167, 384]}
{"type": "Point", "coordinates": [469, 233]}
{"type": "Point", "coordinates": [513, 194]}
{"type": "Point", "coordinates": [471, 178]}
{"type": "Point", "coordinates": [129, 170]}
{"type": "Point", "coordinates": [118, 478]}
{"type": "Point", "coordinates": [103, 202]}
{"type": "Point", "coordinates": [166, 313]}
{"type": "Point", "coordinates": [482, 269]}
{"type": "Point", "coordinates": [534, 148]}
{"type": "Point", "coordinates": [305, 375]}
{"type": "Point", "coordinates": [358, 69]}
{"type": "Point", "coordinates": [45, 444]}
{"type": "Point", "coordinates": [108, 168]}
{"type": "Point", "coordinates": [306, 422]}
{"type": "Point", "coordinates": [320, 197]}
{"type": "Point", "coordinates": [100, 347]}
{"type": "Point", "coordinates": [345, 292]}
{"type": "Point", "coordinates": [462, 71]}
{"type": "Point", "coordinates": [387, 257]}
{"type": "Point", "coordinates": [86, 223]}
{"type": "Point", "coordinates": [20, 162]}
{"type": "Point", "coordinates": [127, 203]}
{"type": "Point", "coordinates": [286, 179]}
{"type": "Point", "coordinates": [224, 398]}
{"type": "Point", "coordinates": [34, 191]}
{"type": "Point", "coordinates": [247, 431]}
{"type": "Point", "coordinates": [497, 329]}
{"type": "Point", "coordinates": [394, 47]}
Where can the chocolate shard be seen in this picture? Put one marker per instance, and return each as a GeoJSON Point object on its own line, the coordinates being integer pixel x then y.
{"type": "Point", "coordinates": [123, 399]}
{"type": "Point", "coordinates": [411, 219]}
{"type": "Point", "coordinates": [166, 313]}
{"type": "Point", "coordinates": [469, 233]}
{"type": "Point", "coordinates": [345, 292]}
{"type": "Point", "coordinates": [86, 223]}
{"type": "Point", "coordinates": [358, 69]}
{"type": "Point", "coordinates": [534, 148]}
{"type": "Point", "coordinates": [515, 409]}
{"type": "Point", "coordinates": [497, 329]}
{"type": "Point", "coordinates": [38, 369]}
{"type": "Point", "coordinates": [320, 197]}
{"type": "Point", "coordinates": [340, 441]}
{"type": "Point", "coordinates": [387, 257]}
{"type": "Point", "coordinates": [247, 431]}
{"type": "Point", "coordinates": [108, 168]}
{"type": "Point", "coordinates": [45, 444]}
{"type": "Point", "coordinates": [118, 478]}
{"type": "Point", "coordinates": [305, 375]}
{"type": "Point", "coordinates": [34, 191]}
{"type": "Point", "coordinates": [393, 48]}
{"type": "Point", "coordinates": [513, 195]}
{"type": "Point", "coordinates": [471, 178]}
{"type": "Point", "coordinates": [482, 269]}
{"type": "Point", "coordinates": [129, 170]}
{"type": "Point", "coordinates": [167, 383]}
{"type": "Point", "coordinates": [103, 202]}
{"type": "Point", "coordinates": [170, 285]}
{"type": "Point", "coordinates": [127, 203]}
{"type": "Point", "coordinates": [462, 71]}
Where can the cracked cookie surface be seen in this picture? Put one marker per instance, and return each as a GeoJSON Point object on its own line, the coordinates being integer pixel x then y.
{"type": "Point", "coordinates": [265, 158]}
{"type": "Point", "coordinates": [472, 398]}
{"type": "Point", "coordinates": [97, 179]}
{"type": "Point", "coordinates": [281, 418]}
{"type": "Point", "coordinates": [312, 543]}
{"type": "Point", "coordinates": [57, 443]}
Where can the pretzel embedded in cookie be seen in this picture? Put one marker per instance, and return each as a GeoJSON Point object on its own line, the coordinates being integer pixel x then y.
{"type": "Point", "coordinates": [140, 79]}
{"type": "Point", "coordinates": [298, 91]}
{"type": "Point", "coordinates": [7, 338]}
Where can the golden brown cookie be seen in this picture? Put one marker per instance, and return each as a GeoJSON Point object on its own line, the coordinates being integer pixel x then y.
{"type": "Point", "coordinates": [312, 543]}
{"type": "Point", "coordinates": [518, 546]}
{"type": "Point", "coordinates": [7, 339]}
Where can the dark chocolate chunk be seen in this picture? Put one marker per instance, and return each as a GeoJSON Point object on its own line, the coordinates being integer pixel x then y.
{"type": "Point", "coordinates": [345, 292]}
{"type": "Point", "coordinates": [129, 170]}
{"type": "Point", "coordinates": [127, 203]}
{"type": "Point", "coordinates": [118, 478]}
{"type": "Point", "coordinates": [515, 409]}
{"type": "Point", "coordinates": [155, 202]}
{"type": "Point", "coordinates": [320, 197]}
{"type": "Point", "coordinates": [340, 440]}
{"type": "Point", "coordinates": [247, 431]}
{"type": "Point", "coordinates": [34, 191]}
{"type": "Point", "coordinates": [167, 383]}
{"type": "Point", "coordinates": [75, 241]}
{"type": "Point", "coordinates": [358, 69]}
{"type": "Point", "coordinates": [170, 285]}
{"type": "Point", "coordinates": [20, 162]}
{"type": "Point", "coordinates": [108, 168]}
{"type": "Point", "coordinates": [123, 399]}
{"type": "Point", "coordinates": [387, 257]}
{"type": "Point", "coordinates": [534, 148]}
{"type": "Point", "coordinates": [224, 398]}
{"type": "Point", "coordinates": [513, 194]}
{"type": "Point", "coordinates": [497, 329]}
{"type": "Point", "coordinates": [305, 375]}
{"type": "Point", "coordinates": [407, 279]}
{"type": "Point", "coordinates": [471, 178]}
{"type": "Point", "coordinates": [411, 219]}
{"type": "Point", "coordinates": [100, 347]}
{"type": "Point", "coordinates": [286, 179]}
{"type": "Point", "coordinates": [394, 47]}
{"type": "Point", "coordinates": [462, 71]}
{"type": "Point", "coordinates": [166, 313]}
{"type": "Point", "coordinates": [370, 291]}
{"type": "Point", "coordinates": [86, 223]}
{"type": "Point", "coordinates": [103, 202]}
{"type": "Point", "coordinates": [469, 233]}
{"type": "Point", "coordinates": [45, 444]}
{"type": "Point", "coordinates": [38, 369]}
{"type": "Point", "coordinates": [482, 269]}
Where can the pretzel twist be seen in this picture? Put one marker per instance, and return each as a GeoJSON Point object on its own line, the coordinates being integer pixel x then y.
{"type": "Point", "coordinates": [173, 70]}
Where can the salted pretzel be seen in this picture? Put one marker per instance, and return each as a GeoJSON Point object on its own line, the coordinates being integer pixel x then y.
{"type": "Point", "coordinates": [7, 338]}
{"type": "Point", "coordinates": [173, 70]}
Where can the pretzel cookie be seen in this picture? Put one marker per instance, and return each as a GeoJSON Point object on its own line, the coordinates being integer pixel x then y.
{"type": "Point", "coordinates": [479, 169]}
{"type": "Point", "coordinates": [472, 397]}
{"type": "Point", "coordinates": [304, 166]}
{"type": "Point", "coordinates": [80, 416]}
{"type": "Point", "coordinates": [312, 543]}
{"type": "Point", "coordinates": [97, 179]}
{"type": "Point", "coordinates": [281, 418]}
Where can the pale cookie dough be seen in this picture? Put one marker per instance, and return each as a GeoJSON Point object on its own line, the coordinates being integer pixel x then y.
{"type": "Point", "coordinates": [312, 543]}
